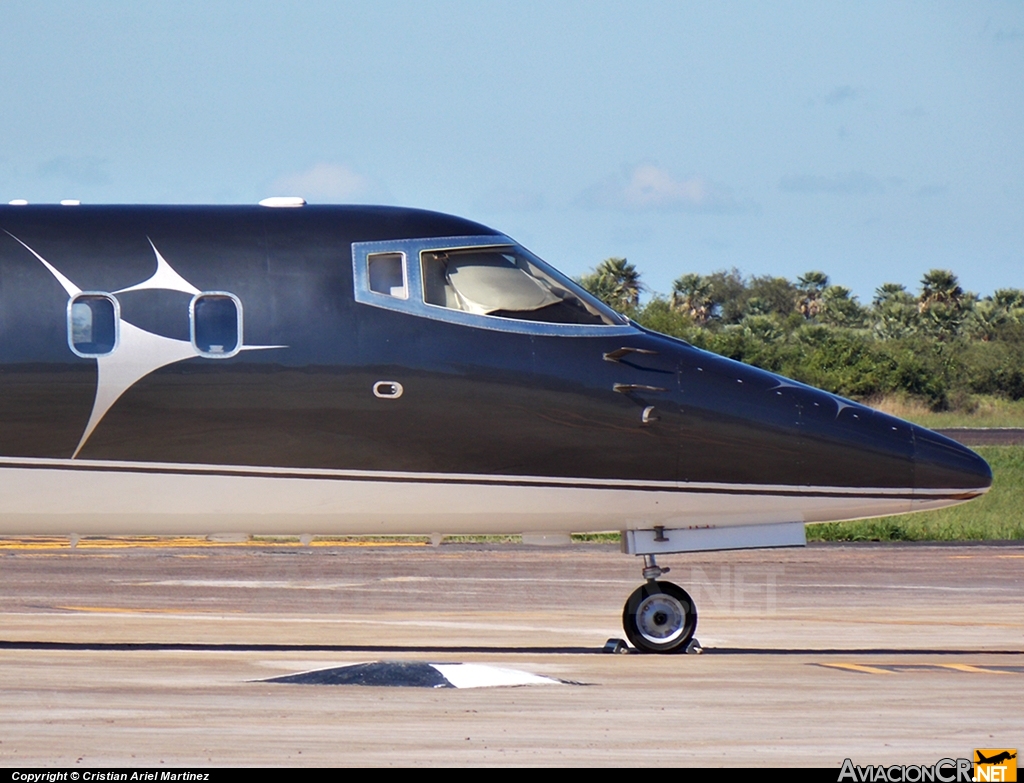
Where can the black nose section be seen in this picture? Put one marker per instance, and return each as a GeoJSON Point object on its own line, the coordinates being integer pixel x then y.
{"type": "Point", "coordinates": [941, 463]}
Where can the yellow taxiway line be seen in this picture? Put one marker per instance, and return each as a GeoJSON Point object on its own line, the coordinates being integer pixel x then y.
{"type": "Point", "coordinates": [901, 668]}
{"type": "Point", "coordinates": [966, 667]}
{"type": "Point", "coordinates": [126, 610]}
{"type": "Point", "coordinates": [856, 667]}
{"type": "Point", "coordinates": [183, 542]}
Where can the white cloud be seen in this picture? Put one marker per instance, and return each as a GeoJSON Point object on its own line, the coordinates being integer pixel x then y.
{"type": "Point", "coordinates": [328, 182]}
{"type": "Point", "coordinates": [648, 187]}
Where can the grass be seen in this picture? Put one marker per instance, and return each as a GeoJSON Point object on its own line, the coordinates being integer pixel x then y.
{"type": "Point", "coordinates": [980, 411]}
{"type": "Point", "coordinates": [999, 515]}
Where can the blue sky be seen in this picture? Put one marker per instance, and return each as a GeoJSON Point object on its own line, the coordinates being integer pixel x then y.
{"type": "Point", "coordinates": [873, 141]}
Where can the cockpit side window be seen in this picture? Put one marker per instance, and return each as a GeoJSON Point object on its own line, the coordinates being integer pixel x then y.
{"type": "Point", "coordinates": [387, 274]}
{"type": "Point", "coordinates": [436, 288]}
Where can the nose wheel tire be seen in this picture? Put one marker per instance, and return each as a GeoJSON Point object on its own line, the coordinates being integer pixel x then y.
{"type": "Point", "coordinates": [659, 617]}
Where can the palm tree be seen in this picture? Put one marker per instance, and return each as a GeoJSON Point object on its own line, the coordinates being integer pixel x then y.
{"type": "Point", "coordinates": [894, 311]}
{"type": "Point", "coordinates": [940, 286]}
{"type": "Point", "coordinates": [693, 294]}
{"type": "Point", "coordinates": [810, 286]}
{"type": "Point", "coordinates": [616, 282]}
{"type": "Point", "coordinates": [943, 303]}
{"type": "Point", "coordinates": [891, 292]}
{"type": "Point", "coordinates": [994, 313]}
{"type": "Point", "coordinates": [1009, 299]}
{"type": "Point", "coordinates": [839, 307]}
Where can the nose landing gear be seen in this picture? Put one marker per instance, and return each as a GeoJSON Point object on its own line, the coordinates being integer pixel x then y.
{"type": "Point", "coordinates": [659, 617]}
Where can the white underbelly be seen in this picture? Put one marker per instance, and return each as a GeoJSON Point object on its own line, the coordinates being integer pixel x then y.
{"type": "Point", "coordinates": [55, 497]}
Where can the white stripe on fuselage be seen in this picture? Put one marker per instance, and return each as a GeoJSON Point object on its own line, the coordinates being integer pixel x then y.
{"type": "Point", "coordinates": [52, 496]}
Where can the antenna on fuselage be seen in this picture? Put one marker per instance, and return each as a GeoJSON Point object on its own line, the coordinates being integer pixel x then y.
{"type": "Point", "coordinates": [283, 201]}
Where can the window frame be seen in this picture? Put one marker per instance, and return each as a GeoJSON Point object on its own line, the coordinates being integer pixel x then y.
{"type": "Point", "coordinates": [117, 323]}
{"type": "Point", "coordinates": [416, 305]}
{"type": "Point", "coordinates": [192, 324]}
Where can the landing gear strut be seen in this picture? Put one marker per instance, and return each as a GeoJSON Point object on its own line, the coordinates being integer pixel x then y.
{"type": "Point", "coordinates": [659, 617]}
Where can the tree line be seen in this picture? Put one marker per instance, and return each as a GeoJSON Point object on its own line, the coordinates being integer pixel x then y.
{"type": "Point", "coordinates": [940, 344]}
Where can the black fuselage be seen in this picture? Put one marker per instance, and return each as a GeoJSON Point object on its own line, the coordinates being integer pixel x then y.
{"type": "Point", "coordinates": [476, 400]}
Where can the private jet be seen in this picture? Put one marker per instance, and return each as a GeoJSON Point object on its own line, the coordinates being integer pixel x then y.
{"type": "Point", "coordinates": [285, 368]}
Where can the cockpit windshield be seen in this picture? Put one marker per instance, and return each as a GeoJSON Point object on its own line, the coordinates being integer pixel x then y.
{"type": "Point", "coordinates": [508, 282]}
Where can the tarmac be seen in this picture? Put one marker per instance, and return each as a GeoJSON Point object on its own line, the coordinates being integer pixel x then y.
{"type": "Point", "coordinates": [150, 652]}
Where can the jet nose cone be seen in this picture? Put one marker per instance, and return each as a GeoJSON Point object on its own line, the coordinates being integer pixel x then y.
{"type": "Point", "coordinates": [942, 463]}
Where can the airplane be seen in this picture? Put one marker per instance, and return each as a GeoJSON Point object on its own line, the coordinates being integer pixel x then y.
{"type": "Point", "coordinates": [996, 759]}
{"type": "Point", "coordinates": [286, 368]}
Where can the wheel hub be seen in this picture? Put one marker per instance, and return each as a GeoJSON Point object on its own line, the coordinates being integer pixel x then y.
{"type": "Point", "coordinates": [660, 618]}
